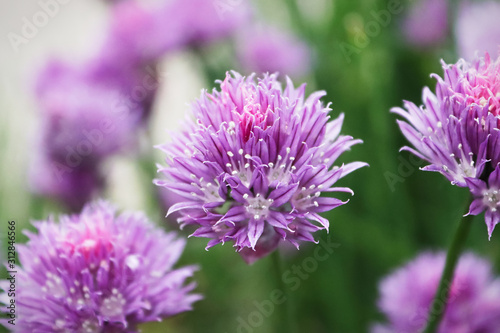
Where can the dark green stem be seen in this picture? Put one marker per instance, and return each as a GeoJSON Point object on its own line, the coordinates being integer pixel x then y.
{"type": "Point", "coordinates": [438, 307]}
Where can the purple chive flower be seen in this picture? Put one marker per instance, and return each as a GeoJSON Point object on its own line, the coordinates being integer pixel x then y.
{"type": "Point", "coordinates": [84, 114]}
{"type": "Point", "coordinates": [252, 163]}
{"type": "Point", "coordinates": [476, 29]}
{"type": "Point", "coordinates": [138, 31]}
{"type": "Point", "coordinates": [427, 23]}
{"type": "Point", "coordinates": [406, 296]}
{"type": "Point", "coordinates": [272, 50]}
{"type": "Point", "coordinates": [99, 272]}
{"type": "Point", "coordinates": [73, 186]}
{"type": "Point", "coordinates": [457, 130]}
{"type": "Point", "coordinates": [206, 21]}
{"type": "Point", "coordinates": [88, 112]}
{"type": "Point", "coordinates": [143, 32]}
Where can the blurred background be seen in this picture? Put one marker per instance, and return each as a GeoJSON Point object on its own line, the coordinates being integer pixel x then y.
{"type": "Point", "coordinates": [62, 60]}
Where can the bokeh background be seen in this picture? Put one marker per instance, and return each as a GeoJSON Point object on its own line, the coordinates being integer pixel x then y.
{"type": "Point", "coordinates": [368, 55]}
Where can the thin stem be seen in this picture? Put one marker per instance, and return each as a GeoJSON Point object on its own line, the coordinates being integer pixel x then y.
{"type": "Point", "coordinates": [283, 318]}
{"type": "Point", "coordinates": [439, 304]}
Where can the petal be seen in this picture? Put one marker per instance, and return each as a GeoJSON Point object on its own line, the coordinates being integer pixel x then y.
{"type": "Point", "coordinates": [476, 207]}
{"type": "Point", "coordinates": [323, 221]}
{"type": "Point", "coordinates": [491, 219]}
{"type": "Point", "coordinates": [259, 182]}
{"type": "Point", "coordinates": [494, 178]}
{"type": "Point", "coordinates": [183, 205]}
{"type": "Point", "coordinates": [234, 214]}
{"type": "Point", "coordinates": [476, 186]}
{"type": "Point", "coordinates": [350, 167]}
{"type": "Point", "coordinates": [339, 189]}
{"type": "Point", "coordinates": [283, 194]}
{"type": "Point", "coordinates": [324, 204]}
{"type": "Point", "coordinates": [255, 230]}
{"type": "Point", "coordinates": [278, 220]}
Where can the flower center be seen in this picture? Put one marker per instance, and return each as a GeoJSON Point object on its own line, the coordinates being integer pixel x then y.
{"type": "Point", "coordinates": [487, 90]}
{"type": "Point", "coordinates": [491, 199]}
{"type": "Point", "coordinates": [258, 207]}
{"type": "Point", "coordinates": [54, 286]}
{"type": "Point", "coordinates": [112, 306]}
{"type": "Point", "coordinates": [491, 97]}
{"type": "Point", "coordinates": [94, 242]}
{"type": "Point", "coordinates": [251, 115]}
{"type": "Point", "coordinates": [306, 197]}
{"type": "Point", "coordinates": [90, 326]}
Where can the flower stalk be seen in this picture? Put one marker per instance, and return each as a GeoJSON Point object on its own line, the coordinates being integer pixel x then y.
{"type": "Point", "coordinates": [443, 290]}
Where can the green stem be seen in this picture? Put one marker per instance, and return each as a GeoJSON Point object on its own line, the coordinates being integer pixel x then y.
{"type": "Point", "coordinates": [283, 318]}
{"type": "Point", "coordinates": [438, 307]}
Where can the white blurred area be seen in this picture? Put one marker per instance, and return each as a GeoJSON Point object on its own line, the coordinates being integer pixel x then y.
{"type": "Point", "coordinates": [75, 30]}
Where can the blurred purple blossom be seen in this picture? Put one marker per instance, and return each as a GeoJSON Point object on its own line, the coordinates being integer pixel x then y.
{"type": "Point", "coordinates": [85, 111]}
{"type": "Point", "coordinates": [73, 186]}
{"type": "Point", "coordinates": [143, 32]}
{"type": "Point", "coordinates": [88, 111]}
{"type": "Point", "coordinates": [426, 24]}
{"type": "Point", "coordinates": [407, 294]}
{"type": "Point", "coordinates": [477, 28]}
{"type": "Point", "coordinates": [99, 272]}
{"type": "Point", "coordinates": [252, 163]}
{"type": "Point", "coordinates": [272, 50]}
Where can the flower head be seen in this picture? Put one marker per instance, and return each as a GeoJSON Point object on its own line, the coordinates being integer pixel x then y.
{"type": "Point", "coordinates": [474, 303]}
{"type": "Point", "coordinates": [73, 186]}
{"type": "Point", "coordinates": [99, 272]}
{"type": "Point", "coordinates": [84, 111]}
{"type": "Point", "coordinates": [457, 130]}
{"type": "Point", "coordinates": [252, 164]}
{"type": "Point", "coordinates": [475, 29]}
{"type": "Point", "coordinates": [88, 112]}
